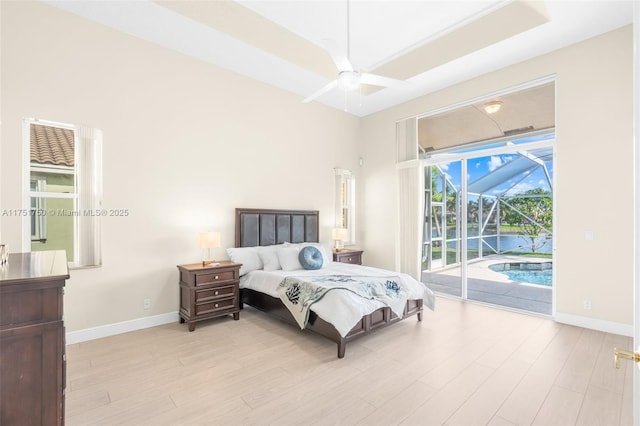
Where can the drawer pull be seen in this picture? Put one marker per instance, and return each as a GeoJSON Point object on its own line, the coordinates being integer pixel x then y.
{"type": "Point", "coordinates": [348, 259]}
{"type": "Point", "coordinates": [215, 278]}
{"type": "Point", "coordinates": [216, 305]}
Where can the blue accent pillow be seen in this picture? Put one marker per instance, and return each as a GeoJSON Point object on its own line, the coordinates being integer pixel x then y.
{"type": "Point", "coordinates": [310, 258]}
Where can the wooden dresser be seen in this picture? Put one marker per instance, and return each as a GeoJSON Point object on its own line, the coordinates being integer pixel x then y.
{"type": "Point", "coordinates": [209, 291]}
{"type": "Point", "coordinates": [32, 353]}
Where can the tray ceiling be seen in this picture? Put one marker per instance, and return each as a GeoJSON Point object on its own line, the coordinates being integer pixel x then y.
{"type": "Point", "coordinates": [431, 44]}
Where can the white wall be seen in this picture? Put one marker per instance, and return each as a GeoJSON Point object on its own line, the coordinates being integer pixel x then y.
{"type": "Point", "coordinates": [593, 168]}
{"type": "Point", "coordinates": [184, 144]}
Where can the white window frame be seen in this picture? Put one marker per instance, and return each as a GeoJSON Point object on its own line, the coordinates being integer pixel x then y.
{"type": "Point", "coordinates": [86, 247]}
{"type": "Point", "coordinates": [345, 200]}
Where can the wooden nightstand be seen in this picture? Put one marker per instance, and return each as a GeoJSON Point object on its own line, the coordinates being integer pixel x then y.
{"type": "Point", "coordinates": [348, 256]}
{"type": "Point", "coordinates": [209, 292]}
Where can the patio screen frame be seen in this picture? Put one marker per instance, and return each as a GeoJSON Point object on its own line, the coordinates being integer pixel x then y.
{"type": "Point", "coordinates": [461, 238]}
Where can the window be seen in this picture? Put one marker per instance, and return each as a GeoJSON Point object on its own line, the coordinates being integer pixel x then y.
{"type": "Point", "coordinates": [38, 204]}
{"type": "Point", "coordinates": [345, 203]}
{"type": "Point", "coordinates": [63, 198]}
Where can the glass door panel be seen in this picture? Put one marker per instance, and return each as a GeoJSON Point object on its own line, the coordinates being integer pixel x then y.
{"type": "Point", "coordinates": [442, 255]}
{"type": "Point", "coordinates": [509, 214]}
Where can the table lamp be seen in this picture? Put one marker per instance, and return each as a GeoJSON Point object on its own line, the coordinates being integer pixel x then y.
{"type": "Point", "coordinates": [338, 235]}
{"type": "Point", "coordinates": [207, 241]}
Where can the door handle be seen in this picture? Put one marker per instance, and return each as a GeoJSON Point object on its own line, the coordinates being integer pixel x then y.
{"type": "Point", "coordinates": [621, 353]}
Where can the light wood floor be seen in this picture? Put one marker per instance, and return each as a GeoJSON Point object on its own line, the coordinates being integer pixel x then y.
{"type": "Point", "coordinates": [464, 364]}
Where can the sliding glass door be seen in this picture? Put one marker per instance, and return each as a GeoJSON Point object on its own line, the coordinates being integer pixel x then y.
{"type": "Point", "coordinates": [488, 224]}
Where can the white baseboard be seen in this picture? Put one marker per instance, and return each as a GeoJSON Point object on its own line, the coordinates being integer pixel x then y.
{"type": "Point", "coordinates": [595, 324]}
{"type": "Point", "coordinates": [120, 327]}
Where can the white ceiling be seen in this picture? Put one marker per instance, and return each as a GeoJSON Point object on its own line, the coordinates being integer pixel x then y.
{"type": "Point", "coordinates": [523, 111]}
{"type": "Point", "coordinates": [432, 44]}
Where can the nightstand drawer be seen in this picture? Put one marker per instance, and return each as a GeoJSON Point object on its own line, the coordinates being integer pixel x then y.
{"type": "Point", "coordinates": [348, 256]}
{"type": "Point", "coordinates": [215, 293]}
{"type": "Point", "coordinates": [351, 259]}
{"type": "Point", "coordinates": [214, 277]}
{"type": "Point", "coordinates": [218, 305]}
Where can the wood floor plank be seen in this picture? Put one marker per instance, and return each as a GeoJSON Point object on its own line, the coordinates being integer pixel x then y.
{"type": "Point", "coordinates": [398, 407]}
{"type": "Point", "coordinates": [510, 341]}
{"type": "Point", "coordinates": [561, 407]}
{"type": "Point", "coordinates": [482, 406]}
{"type": "Point", "coordinates": [78, 402]}
{"type": "Point", "coordinates": [447, 400]}
{"type": "Point", "coordinates": [600, 407]}
{"type": "Point", "coordinates": [295, 397]}
{"type": "Point", "coordinates": [137, 414]}
{"type": "Point", "coordinates": [499, 421]}
{"type": "Point", "coordinates": [464, 364]}
{"type": "Point", "coordinates": [576, 374]}
{"type": "Point", "coordinates": [605, 376]}
{"type": "Point", "coordinates": [524, 402]}
{"type": "Point", "coordinates": [626, 411]}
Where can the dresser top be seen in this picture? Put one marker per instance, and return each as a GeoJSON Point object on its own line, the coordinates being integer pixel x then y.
{"type": "Point", "coordinates": [36, 266]}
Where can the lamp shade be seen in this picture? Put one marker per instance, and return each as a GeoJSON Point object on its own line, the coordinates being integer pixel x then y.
{"type": "Point", "coordinates": [339, 234]}
{"type": "Point", "coordinates": [208, 240]}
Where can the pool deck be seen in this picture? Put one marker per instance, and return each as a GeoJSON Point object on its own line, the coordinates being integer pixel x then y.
{"type": "Point", "coordinates": [485, 285]}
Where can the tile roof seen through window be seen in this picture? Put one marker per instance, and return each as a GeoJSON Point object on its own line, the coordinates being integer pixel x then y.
{"type": "Point", "coordinates": [51, 145]}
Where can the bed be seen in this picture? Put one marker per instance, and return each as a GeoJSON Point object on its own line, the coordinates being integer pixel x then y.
{"type": "Point", "coordinates": [339, 315]}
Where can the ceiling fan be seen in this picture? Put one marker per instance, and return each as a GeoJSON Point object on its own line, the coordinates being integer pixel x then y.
{"type": "Point", "coordinates": [349, 78]}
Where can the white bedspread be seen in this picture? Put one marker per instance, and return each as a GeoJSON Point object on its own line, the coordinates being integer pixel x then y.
{"type": "Point", "coordinates": [342, 308]}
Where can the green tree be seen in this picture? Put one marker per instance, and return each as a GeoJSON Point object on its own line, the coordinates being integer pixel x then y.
{"type": "Point", "coordinates": [532, 211]}
{"type": "Point", "coordinates": [441, 191]}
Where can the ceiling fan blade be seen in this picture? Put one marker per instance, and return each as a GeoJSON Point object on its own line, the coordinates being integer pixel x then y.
{"type": "Point", "coordinates": [341, 61]}
{"type": "Point", "coordinates": [321, 92]}
{"type": "Point", "coordinates": [378, 80]}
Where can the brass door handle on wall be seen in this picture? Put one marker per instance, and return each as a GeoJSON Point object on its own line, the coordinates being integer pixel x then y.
{"type": "Point", "coordinates": [621, 353]}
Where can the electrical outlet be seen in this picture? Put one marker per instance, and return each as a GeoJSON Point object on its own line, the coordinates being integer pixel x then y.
{"type": "Point", "coordinates": [586, 304]}
{"type": "Point", "coordinates": [146, 303]}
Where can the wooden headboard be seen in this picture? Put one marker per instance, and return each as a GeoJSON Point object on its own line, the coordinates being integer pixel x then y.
{"type": "Point", "coordinates": [265, 227]}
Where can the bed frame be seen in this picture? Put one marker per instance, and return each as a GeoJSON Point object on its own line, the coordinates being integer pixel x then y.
{"type": "Point", "coordinates": [263, 227]}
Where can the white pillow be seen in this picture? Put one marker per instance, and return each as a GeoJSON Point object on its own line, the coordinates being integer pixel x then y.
{"type": "Point", "coordinates": [325, 249]}
{"type": "Point", "coordinates": [248, 256]}
{"type": "Point", "coordinates": [288, 257]}
{"type": "Point", "coordinates": [269, 257]}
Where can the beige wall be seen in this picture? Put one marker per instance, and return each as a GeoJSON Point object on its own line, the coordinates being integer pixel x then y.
{"type": "Point", "coordinates": [187, 142]}
{"type": "Point", "coordinates": [593, 168]}
{"type": "Point", "coordinates": [184, 144]}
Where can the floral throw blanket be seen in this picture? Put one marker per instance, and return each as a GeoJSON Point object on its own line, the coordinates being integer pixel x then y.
{"type": "Point", "coordinates": [299, 293]}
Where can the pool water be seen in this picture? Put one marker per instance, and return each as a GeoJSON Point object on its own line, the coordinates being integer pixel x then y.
{"type": "Point", "coordinates": [528, 272]}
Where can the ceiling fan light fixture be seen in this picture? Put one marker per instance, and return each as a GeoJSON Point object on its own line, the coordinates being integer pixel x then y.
{"type": "Point", "coordinates": [492, 107]}
{"type": "Point", "coordinates": [349, 80]}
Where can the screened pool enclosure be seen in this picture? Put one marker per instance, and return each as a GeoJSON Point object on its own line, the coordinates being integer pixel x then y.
{"type": "Point", "coordinates": [488, 206]}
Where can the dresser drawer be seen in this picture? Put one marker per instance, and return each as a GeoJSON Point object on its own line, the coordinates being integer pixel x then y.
{"type": "Point", "coordinates": [215, 277]}
{"type": "Point", "coordinates": [213, 293]}
{"type": "Point", "coordinates": [30, 306]}
{"type": "Point", "coordinates": [218, 305]}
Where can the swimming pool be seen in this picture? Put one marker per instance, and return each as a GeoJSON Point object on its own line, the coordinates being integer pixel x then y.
{"type": "Point", "coordinates": [526, 272]}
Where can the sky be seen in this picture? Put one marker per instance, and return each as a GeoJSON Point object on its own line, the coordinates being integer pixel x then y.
{"type": "Point", "coordinates": [478, 167]}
